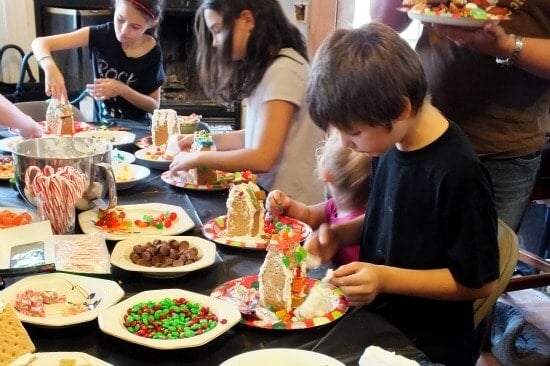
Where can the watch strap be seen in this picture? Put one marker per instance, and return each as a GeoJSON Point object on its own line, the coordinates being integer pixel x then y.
{"type": "Point", "coordinates": [509, 61]}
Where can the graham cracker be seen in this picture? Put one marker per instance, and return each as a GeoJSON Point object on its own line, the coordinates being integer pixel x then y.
{"type": "Point", "coordinates": [14, 339]}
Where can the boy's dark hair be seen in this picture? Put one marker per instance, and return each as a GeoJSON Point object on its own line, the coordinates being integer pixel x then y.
{"type": "Point", "coordinates": [226, 80]}
{"type": "Point", "coordinates": [364, 75]}
{"type": "Point", "coordinates": [152, 9]}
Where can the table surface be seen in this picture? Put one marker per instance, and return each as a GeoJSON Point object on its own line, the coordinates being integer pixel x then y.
{"type": "Point", "coordinates": [344, 339]}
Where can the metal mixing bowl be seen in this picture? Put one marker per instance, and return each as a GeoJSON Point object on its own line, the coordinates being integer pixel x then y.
{"type": "Point", "coordinates": [89, 156]}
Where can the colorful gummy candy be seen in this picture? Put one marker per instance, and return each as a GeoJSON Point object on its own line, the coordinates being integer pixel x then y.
{"type": "Point", "coordinates": [170, 319]}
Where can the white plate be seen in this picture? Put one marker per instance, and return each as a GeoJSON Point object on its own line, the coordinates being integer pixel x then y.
{"type": "Point", "coordinates": [111, 320]}
{"type": "Point", "coordinates": [7, 144]}
{"type": "Point", "coordinates": [450, 20]}
{"type": "Point", "coordinates": [128, 175]}
{"type": "Point", "coordinates": [135, 212]}
{"type": "Point", "coordinates": [282, 356]}
{"type": "Point", "coordinates": [124, 157]}
{"type": "Point", "coordinates": [163, 164]}
{"type": "Point", "coordinates": [54, 358]}
{"type": "Point", "coordinates": [74, 287]}
{"type": "Point", "coordinates": [120, 256]}
{"type": "Point", "coordinates": [116, 138]}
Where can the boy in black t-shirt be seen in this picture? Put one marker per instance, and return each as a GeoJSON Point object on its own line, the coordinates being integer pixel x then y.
{"type": "Point", "coordinates": [429, 240]}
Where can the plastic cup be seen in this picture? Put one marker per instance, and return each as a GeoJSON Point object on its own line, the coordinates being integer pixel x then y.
{"type": "Point", "coordinates": [188, 127]}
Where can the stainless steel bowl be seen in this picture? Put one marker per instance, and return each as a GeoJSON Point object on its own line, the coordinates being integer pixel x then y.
{"type": "Point", "coordinates": [89, 156]}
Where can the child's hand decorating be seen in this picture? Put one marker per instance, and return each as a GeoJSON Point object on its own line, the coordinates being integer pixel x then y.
{"type": "Point", "coordinates": [358, 281]}
{"type": "Point", "coordinates": [277, 203]}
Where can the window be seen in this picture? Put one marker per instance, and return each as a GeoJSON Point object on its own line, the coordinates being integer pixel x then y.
{"type": "Point", "coordinates": [362, 16]}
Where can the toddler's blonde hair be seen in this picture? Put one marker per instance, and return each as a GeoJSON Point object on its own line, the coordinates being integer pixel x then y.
{"type": "Point", "coordinates": [349, 170]}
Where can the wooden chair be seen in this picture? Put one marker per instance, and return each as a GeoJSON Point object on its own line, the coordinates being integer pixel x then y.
{"type": "Point", "coordinates": [37, 110]}
{"type": "Point", "coordinates": [508, 246]}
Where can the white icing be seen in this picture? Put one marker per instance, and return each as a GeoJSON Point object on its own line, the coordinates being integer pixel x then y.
{"type": "Point", "coordinates": [317, 303]}
{"type": "Point", "coordinates": [164, 118]}
{"type": "Point", "coordinates": [242, 191]}
{"type": "Point", "coordinates": [172, 146]}
{"type": "Point", "coordinates": [287, 275]}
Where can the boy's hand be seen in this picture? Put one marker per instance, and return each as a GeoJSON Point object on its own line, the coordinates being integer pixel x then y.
{"type": "Point", "coordinates": [358, 281]}
{"type": "Point", "coordinates": [322, 243]}
{"type": "Point", "coordinates": [277, 203]}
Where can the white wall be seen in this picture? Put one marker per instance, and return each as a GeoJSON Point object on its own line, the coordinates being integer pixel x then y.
{"type": "Point", "coordinates": [16, 26]}
{"type": "Point", "coordinates": [362, 16]}
{"type": "Point", "coordinates": [288, 8]}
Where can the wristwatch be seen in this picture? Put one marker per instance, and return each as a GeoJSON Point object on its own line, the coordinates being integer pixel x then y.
{"type": "Point", "coordinates": [509, 61]}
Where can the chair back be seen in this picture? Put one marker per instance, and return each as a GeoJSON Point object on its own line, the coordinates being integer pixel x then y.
{"type": "Point", "coordinates": [37, 110]}
{"type": "Point", "coordinates": [508, 247]}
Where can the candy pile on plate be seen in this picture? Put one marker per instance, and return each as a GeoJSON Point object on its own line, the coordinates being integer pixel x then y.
{"type": "Point", "coordinates": [6, 166]}
{"type": "Point", "coordinates": [477, 9]}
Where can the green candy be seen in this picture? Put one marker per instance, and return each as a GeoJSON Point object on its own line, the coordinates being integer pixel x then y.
{"type": "Point", "coordinates": [478, 13]}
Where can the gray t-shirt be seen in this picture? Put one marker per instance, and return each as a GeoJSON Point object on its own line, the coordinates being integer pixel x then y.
{"type": "Point", "coordinates": [294, 172]}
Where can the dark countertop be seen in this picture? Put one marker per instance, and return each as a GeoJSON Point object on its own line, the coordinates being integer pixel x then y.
{"type": "Point", "coordinates": [344, 339]}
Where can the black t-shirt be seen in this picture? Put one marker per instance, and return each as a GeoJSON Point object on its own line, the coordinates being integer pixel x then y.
{"type": "Point", "coordinates": [144, 74]}
{"type": "Point", "coordinates": [428, 209]}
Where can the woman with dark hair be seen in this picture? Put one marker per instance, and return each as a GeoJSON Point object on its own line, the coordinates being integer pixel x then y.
{"type": "Point", "coordinates": [126, 58]}
{"type": "Point", "coordinates": [249, 49]}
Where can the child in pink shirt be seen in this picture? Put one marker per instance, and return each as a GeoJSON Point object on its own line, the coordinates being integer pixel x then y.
{"type": "Point", "coordinates": [346, 175]}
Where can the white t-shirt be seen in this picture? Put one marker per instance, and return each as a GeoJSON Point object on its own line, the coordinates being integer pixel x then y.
{"type": "Point", "coordinates": [294, 172]}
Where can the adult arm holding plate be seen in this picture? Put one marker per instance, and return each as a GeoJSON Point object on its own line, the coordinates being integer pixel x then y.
{"type": "Point", "coordinates": [528, 53]}
{"type": "Point", "coordinates": [491, 80]}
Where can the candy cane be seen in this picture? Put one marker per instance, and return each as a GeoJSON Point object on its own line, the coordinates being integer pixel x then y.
{"type": "Point", "coordinates": [59, 190]}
